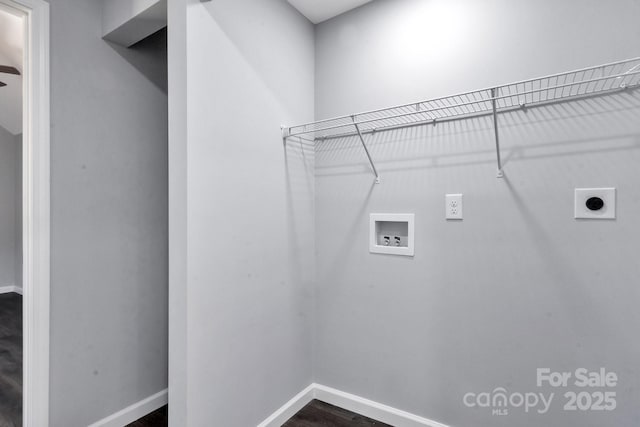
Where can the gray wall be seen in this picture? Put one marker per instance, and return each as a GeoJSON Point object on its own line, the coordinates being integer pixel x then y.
{"type": "Point", "coordinates": [109, 220]}
{"type": "Point", "coordinates": [245, 298]}
{"type": "Point", "coordinates": [519, 284]}
{"type": "Point", "coordinates": [10, 209]}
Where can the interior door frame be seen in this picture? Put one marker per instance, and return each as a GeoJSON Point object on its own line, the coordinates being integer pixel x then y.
{"type": "Point", "coordinates": [36, 211]}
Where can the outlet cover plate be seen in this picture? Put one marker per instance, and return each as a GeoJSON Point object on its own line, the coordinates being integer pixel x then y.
{"type": "Point", "coordinates": [453, 206]}
{"type": "Point", "coordinates": [608, 210]}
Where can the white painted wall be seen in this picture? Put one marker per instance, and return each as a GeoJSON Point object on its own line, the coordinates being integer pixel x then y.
{"type": "Point", "coordinates": [519, 284]}
{"type": "Point", "coordinates": [177, 87]}
{"type": "Point", "coordinates": [10, 209]}
{"type": "Point", "coordinates": [241, 290]}
{"type": "Point", "coordinates": [108, 220]}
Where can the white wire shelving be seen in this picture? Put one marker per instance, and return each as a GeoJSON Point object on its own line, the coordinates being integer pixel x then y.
{"type": "Point", "coordinates": [597, 80]}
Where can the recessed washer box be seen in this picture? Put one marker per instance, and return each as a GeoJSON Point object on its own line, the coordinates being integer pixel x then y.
{"type": "Point", "coordinates": [595, 203]}
{"type": "Point", "coordinates": [391, 234]}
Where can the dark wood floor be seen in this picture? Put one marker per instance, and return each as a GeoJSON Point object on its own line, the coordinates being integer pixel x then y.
{"type": "Point", "coordinates": [157, 418]}
{"type": "Point", "coordinates": [10, 360]}
{"type": "Point", "coordinates": [315, 414]}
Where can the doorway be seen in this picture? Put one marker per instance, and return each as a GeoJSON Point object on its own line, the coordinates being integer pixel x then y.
{"type": "Point", "coordinates": [11, 327]}
{"type": "Point", "coordinates": [33, 207]}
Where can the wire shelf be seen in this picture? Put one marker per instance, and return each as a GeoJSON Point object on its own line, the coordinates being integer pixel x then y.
{"type": "Point", "coordinates": [590, 81]}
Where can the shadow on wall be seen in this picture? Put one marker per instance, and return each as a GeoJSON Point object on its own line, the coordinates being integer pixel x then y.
{"type": "Point", "coordinates": [299, 165]}
{"type": "Point", "coordinates": [567, 128]}
{"type": "Point", "coordinates": [149, 57]}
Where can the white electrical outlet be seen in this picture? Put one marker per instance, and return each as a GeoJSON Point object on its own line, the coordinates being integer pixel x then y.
{"type": "Point", "coordinates": [453, 206]}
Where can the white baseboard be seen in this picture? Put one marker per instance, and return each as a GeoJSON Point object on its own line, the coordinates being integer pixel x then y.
{"type": "Point", "coordinates": [10, 288]}
{"type": "Point", "coordinates": [350, 402]}
{"type": "Point", "coordinates": [135, 411]}
{"type": "Point", "coordinates": [290, 408]}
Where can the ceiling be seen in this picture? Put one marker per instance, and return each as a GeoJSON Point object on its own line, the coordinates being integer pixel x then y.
{"type": "Point", "coordinates": [11, 51]}
{"type": "Point", "coordinates": [321, 10]}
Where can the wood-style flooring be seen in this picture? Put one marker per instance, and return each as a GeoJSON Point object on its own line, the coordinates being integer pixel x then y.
{"type": "Point", "coordinates": [315, 414]}
{"type": "Point", "coordinates": [321, 414]}
{"type": "Point", "coordinates": [10, 360]}
{"type": "Point", "coordinates": [157, 418]}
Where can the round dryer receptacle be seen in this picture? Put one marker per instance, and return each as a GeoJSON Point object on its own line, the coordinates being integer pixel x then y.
{"type": "Point", "coordinates": [594, 203]}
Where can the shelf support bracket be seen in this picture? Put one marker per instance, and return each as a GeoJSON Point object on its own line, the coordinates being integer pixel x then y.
{"type": "Point", "coordinates": [375, 171]}
{"type": "Point", "coordinates": [500, 174]}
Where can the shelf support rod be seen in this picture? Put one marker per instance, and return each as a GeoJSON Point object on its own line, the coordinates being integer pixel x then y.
{"type": "Point", "coordinates": [375, 171]}
{"type": "Point", "coordinates": [500, 174]}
